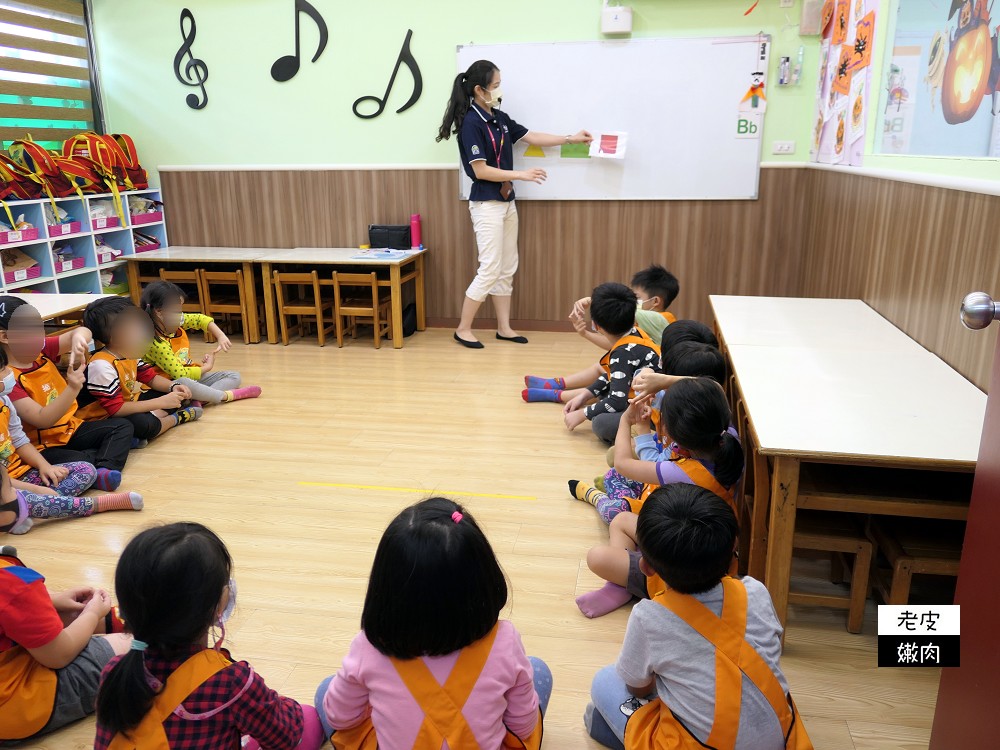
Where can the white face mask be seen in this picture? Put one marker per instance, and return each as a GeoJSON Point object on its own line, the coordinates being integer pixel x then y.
{"type": "Point", "coordinates": [9, 382]}
{"type": "Point", "coordinates": [231, 604]}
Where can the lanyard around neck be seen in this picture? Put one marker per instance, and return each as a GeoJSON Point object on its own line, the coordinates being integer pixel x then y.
{"type": "Point", "coordinates": [496, 150]}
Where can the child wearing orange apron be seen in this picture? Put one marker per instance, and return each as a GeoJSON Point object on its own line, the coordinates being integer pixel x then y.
{"type": "Point", "coordinates": [696, 415]}
{"type": "Point", "coordinates": [171, 691]}
{"type": "Point", "coordinates": [679, 680]}
{"type": "Point", "coordinates": [433, 663]}
{"type": "Point", "coordinates": [46, 401]}
{"type": "Point", "coordinates": [40, 692]}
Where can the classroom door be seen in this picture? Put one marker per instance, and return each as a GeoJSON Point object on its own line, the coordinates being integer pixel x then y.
{"type": "Point", "coordinates": [969, 694]}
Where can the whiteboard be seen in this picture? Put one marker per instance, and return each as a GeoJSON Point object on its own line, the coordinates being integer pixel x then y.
{"type": "Point", "coordinates": [677, 99]}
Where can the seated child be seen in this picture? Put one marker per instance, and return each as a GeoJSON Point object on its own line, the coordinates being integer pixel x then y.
{"type": "Point", "coordinates": [705, 452]}
{"type": "Point", "coordinates": [686, 359]}
{"type": "Point", "coordinates": [46, 402]}
{"type": "Point", "coordinates": [656, 289]}
{"type": "Point", "coordinates": [50, 658]}
{"type": "Point", "coordinates": [171, 689]}
{"type": "Point", "coordinates": [649, 380]}
{"type": "Point", "coordinates": [432, 658]}
{"type": "Point", "coordinates": [613, 312]}
{"type": "Point", "coordinates": [170, 351]}
{"type": "Point", "coordinates": [115, 375]}
{"type": "Point", "coordinates": [682, 680]}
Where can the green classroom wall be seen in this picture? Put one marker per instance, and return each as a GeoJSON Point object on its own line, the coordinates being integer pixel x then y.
{"type": "Point", "coordinates": [251, 119]}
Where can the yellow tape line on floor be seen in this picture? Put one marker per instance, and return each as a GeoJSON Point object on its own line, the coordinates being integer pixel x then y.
{"type": "Point", "coordinates": [416, 490]}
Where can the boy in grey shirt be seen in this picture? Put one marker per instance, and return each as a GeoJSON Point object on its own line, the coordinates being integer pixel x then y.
{"type": "Point", "coordinates": [687, 535]}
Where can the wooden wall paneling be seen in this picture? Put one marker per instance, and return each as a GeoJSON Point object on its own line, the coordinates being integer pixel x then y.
{"type": "Point", "coordinates": [912, 252]}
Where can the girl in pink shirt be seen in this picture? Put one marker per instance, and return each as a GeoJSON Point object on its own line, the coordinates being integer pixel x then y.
{"type": "Point", "coordinates": [433, 667]}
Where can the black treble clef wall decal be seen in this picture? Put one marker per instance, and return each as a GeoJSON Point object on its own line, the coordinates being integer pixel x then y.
{"type": "Point", "coordinates": [285, 67]}
{"type": "Point", "coordinates": [405, 56]}
{"type": "Point", "coordinates": [194, 72]}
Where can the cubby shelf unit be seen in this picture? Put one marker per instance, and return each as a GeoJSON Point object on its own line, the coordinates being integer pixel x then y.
{"type": "Point", "coordinates": [83, 236]}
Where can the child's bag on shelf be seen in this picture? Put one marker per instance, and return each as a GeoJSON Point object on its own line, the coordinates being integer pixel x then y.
{"type": "Point", "coordinates": [124, 149]}
{"type": "Point", "coordinates": [16, 182]}
{"type": "Point", "coordinates": [35, 159]}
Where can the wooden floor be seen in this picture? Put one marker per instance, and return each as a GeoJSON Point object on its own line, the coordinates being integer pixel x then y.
{"type": "Point", "coordinates": [301, 483]}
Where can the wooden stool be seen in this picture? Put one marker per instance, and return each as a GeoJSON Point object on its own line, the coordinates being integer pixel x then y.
{"type": "Point", "coordinates": [363, 304]}
{"type": "Point", "coordinates": [226, 305]}
{"type": "Point", "coordinates": [841, 535]}
{"type": "Point", "coordinates": [914, 546]}
{"type": "Point", "coordinates": [300, 306]}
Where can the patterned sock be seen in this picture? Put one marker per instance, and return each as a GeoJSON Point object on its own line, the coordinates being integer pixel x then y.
{"type": "Point", "coordinates": [117, 501]}
{"type": "Point", "coordinates": [606, 599]}
{"type": "Point", "coordinates": [534, 381]}
{"type": "Point", "coordinates": [108, 480]}
{"type": "Point", "coordinates": [585, 492]}
{"type": "Point", "coordinates": [533, 395]}
{"type": "Point", "coordinates": [238, 394]}
{"type": "Point", "coordinates": [188, 414]}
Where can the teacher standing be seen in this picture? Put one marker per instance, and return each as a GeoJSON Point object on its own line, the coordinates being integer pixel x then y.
{"type": "Point", "coordinates": [486, 138]}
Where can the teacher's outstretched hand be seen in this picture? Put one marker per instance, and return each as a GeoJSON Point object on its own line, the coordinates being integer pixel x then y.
{"type": "Point", "coordinates": [486, 138]}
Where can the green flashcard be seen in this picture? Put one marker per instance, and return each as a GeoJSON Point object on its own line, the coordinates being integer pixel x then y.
{"type": "Point", "coordinates": [574, 151]}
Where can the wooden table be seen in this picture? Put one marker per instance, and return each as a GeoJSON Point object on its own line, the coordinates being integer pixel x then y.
{"type": "Point", "coordinates": [818, 392]}
{"type": "Point", "coordinates": [52, 306]}
{"type": "Point", "coordinates": [344, 256]}
{"type": "Point", "coordinates": [246, 257]}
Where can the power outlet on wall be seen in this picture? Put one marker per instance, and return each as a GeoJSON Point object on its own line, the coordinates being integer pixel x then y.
{"type": "Point", "coordinates": [783, 147]}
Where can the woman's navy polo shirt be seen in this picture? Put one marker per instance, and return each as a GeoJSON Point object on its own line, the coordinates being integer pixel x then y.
{"type": "Point", "coordinates": [475, 144]}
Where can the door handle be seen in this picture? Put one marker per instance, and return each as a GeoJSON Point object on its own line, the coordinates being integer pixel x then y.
{"type": "Point", "coordinates": [979, 310]}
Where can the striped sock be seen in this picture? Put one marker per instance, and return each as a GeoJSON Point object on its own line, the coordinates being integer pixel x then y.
{"type": "Point", "coordinates": [118, 501]}
{"type": "Point", "coordinates": [108, 480]}
{"type": "Point", "coordinates": [534, 395]}
{"type": "Point", "coordinates": [535, 381]}
{"type": "Point", "coordinates": [585, 492]}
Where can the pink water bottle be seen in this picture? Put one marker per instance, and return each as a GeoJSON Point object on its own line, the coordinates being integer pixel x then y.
{"type": "Point", "coordinates": [415, 230]}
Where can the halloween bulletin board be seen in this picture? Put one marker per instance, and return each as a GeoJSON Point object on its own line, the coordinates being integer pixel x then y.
{"type": "Point", "coordinates": [941, 83]}
{"type": "Point", "coordinates": [843, 91]}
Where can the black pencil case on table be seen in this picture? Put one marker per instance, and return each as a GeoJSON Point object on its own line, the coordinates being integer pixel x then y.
{"type": "Point", "coordinates": [392, 236]}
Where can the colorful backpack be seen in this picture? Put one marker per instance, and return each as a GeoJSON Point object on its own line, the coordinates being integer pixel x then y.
{"type": "Point", "coordinates": [42, 164]}
{"type": "Point", "coordinates": [128, 157]}
{"type": "Point", "coordinates": [89, 163]}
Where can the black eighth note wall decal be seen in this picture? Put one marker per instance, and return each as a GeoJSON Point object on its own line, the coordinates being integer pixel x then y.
{"type": "Point", "coordinates": [194, 72]}
{"type": "Point", "coordinates": [285, 67]}
{"type": "Point", "coordinates": [405, 57]}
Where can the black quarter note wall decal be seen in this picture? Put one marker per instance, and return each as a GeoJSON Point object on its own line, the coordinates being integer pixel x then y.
{"type": "Point", "coordinates": [285, 67]}
{"type": "Point", "coordinates": [193, 72]}
{"type": "Point", "coordinates": [405, 58]}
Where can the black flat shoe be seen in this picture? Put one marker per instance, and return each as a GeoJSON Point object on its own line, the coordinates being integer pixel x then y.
{"type": "Point", "coordinates": [469, 344]}
{"type": "Point", "coordinates": [513, 339]}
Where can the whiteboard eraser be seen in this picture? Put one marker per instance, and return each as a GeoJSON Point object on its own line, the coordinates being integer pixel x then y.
{"type": "Point", "coordinates": [616, 19]}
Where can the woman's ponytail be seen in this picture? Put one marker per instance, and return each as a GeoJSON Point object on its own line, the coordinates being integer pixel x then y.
{"type": "Point", "coordinates": [480, 73]}
{"type": "Point", "coordinates": [697, 417]}
{"type": "Point", "coordinates": [125, 696]}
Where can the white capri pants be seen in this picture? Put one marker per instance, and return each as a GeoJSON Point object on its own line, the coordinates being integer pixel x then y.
{"type": "Point", "coordinates": [495, 224]}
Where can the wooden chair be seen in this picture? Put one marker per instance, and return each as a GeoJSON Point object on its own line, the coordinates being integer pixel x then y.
{"type": "Point", "coordinates": [842, 535]}
{"type": "Point", "coordinates": [914, 546]}
{"type": "Point", "coordinates": [365, 304]}
{"type": "Point", "coordinates": [301, 306]}
{"type": "Point", "coordinates": [226, 304]}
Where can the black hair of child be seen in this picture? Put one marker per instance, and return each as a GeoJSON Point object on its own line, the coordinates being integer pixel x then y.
{"type": "Point", "coordinates": [169, 581]}
{"type": "Point", "coordinates": [698, 417]}
{"type": "Point", "coordinates": [657, 281]}
{"type": "Point", "coordinates": [435, 586]}
{"type": "Point", "coordinates": [101, 315]}
{"type": "Point", "coordinates": [694, 359]}
{"type": "Point", "coordinates": [687, 330]}
{"type": "Point", "coordinates": [156, 296]}
{"type": "Point", "coordinates": [613, 307]}
{"type": "Point", "coordinates": [687, 534]}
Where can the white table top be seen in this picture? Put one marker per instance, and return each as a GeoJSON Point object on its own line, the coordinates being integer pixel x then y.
{"type": "Point", "coordinates": [834, 379]}
{"type": "Point", "coordinates": [204, 254]}
{"type": "Point", "coordinates": [813, 323]}
{"type": "Point", "coordinates": [54, 305]}
{"type": "Point", "coordinates": [337, 256]}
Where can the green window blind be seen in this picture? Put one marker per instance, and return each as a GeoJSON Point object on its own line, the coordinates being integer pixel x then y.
{"type": "Point", "coordinates": [45, 71]}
